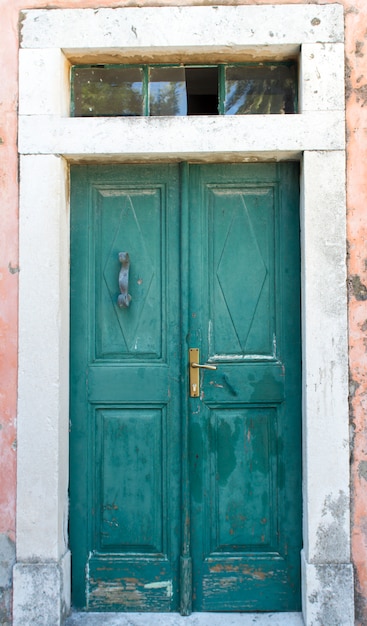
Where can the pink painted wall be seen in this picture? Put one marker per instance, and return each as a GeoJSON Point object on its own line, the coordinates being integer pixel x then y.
{"type": "Point", "coordinates": [356, 56]}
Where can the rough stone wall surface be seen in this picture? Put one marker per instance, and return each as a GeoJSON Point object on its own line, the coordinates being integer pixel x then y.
{"type": "Point", "coordinates": [7, 558]}
{"type": "Point", "coordinates": [356, 99]}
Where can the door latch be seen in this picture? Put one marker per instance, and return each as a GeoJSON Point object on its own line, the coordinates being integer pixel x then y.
{"type": "Point", "coordinates": [195, 366]}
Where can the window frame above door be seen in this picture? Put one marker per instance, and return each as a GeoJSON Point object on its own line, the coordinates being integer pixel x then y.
{"type": "Point", "coordinates": [49, 139]}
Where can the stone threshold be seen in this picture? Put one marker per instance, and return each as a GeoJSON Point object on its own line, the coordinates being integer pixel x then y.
{"type": "Point", "coordinates": [174, 619]}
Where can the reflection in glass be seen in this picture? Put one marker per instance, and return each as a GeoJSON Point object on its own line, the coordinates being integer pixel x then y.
{"type": "Point", "coordinates": [260, 89]}
{"type": "Point", "coordinates": [108, 91]}
{"type": "Point", "coordinates": [167, 91]}
{"type": "Point", "coordinates": [241, 89]}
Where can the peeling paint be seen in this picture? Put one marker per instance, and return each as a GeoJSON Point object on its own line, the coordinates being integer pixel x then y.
{"type": "Point", "coordinates": [353, 387]}
{"type": "Point", "coordinates": [359, 46]}
{"type": "Point", "coordinates": [214, 384]}
{"type": "Point", "coordinates": [242, 569]}
{"type": "Point", "coordinates": [13, 270]}
{"type": "Point", "coordinates": [361, 94]}
{"type": "Point", "coordinates": [242, 357]}
{"type": "Point", "coordinates": [130, 593]}
{"type": "Point", "coordinates": [352, 10]}
{"type": "Point", "coordinates": [356, 287]}
{"type": "Point", "coordinates": [362, 469]}
{"type": "Point", "coordinates": [164, 584]}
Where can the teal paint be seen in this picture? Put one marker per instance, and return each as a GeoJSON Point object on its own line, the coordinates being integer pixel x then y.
{"type": "Point", "coordinates": [178, 502]}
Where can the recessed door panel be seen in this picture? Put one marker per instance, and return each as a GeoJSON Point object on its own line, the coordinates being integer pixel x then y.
{"type": "Point", "coordinates": [130, 480]}
{"type": "Point", "coordinates": [243, 479]}
{"type": "Point", "coordinates": [131, 220]}
{"type": "Point", "coordinates": [240, 253]}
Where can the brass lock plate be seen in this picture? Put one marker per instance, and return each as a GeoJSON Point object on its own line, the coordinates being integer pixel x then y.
{"type": "Point", "coordinates": [194, 373]}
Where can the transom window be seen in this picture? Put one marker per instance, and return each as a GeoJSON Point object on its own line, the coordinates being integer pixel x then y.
{"type": "Point", "coordinates": [179, 90]}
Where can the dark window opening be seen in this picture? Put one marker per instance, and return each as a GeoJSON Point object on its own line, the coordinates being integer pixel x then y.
{"type": "Point", "coordinates": [202, 90]}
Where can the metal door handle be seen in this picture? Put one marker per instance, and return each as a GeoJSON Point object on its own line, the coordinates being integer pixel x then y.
{"type": "Point", "coordinates": [204, 367]}
{"type": "Point", "coordinates": [194, 371]}
{"type": "Point", "coordinates": [124, 298]}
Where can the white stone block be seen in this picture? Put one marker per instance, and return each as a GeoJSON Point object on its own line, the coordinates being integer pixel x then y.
{"type": "Point", "coordinates": [327, 594]}
{"type": "Point", "coordinates": [39, 594]}
{"type": "Point", "coordinates": [322, 77]}
{"type": "Point", "coordinates": [43, 359]}
{"type": "Point", "coordinates": [325, 358]}
{"type": "Point", "coordinates": [195, 619]}
{"type": "Point", "coordinates": [229, 27]}
{"type": "Point", "coordinates": [227, 136]}
{"type": "Point", "coordinates": [43, 82]}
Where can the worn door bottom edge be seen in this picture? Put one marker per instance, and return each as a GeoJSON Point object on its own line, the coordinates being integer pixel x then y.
{"type": "Point", "coordinates": [174, 619]}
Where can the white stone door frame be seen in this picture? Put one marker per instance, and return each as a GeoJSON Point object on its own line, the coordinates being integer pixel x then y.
{"type": "Point", "coordinates": [49, 140]}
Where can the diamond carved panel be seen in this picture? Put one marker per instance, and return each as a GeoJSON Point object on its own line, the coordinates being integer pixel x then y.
{"type": "Point", "coordinates": [130, 221]}
{"type": "Point", "coordinates": [129, 324]}
{"type": "Point", "coordinates": [241, 270]}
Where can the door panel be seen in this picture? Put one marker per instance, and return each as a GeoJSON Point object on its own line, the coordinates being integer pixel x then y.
{"type": "Point", "coordinates": [228, 285]}
{"type": "Point", "coordinates": [134, 520]}
{"type": "Point", "coordinates": [246, 490]}
{"type": "Point", "coordinates": [133, 220]}
{"type": "Point", "coordinates": [240, 250]}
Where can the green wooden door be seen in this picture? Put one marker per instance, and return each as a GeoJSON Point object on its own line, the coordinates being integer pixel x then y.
{"type": "Point", "coordinates": [178, 500]}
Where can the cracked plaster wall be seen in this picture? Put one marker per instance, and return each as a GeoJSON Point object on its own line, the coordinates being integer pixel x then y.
{"type": "Point", "coordinates": [356, 54]}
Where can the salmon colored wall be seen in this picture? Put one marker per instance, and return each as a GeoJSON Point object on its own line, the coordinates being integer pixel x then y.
{"type": "Point", "coordinates": [356, 93]}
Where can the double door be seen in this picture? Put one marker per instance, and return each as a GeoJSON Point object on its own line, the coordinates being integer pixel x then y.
{"type": "Point", "coordinates": [185, 482]}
